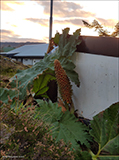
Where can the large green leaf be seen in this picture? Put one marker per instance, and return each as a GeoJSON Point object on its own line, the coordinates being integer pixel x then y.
{"type": "Point", "coordinates": [56, 38]}
{"type": "Point", "coordinates": [67, 47]}
{"type": "Point", "coordinates": [48, 111]}
{"type": "Point", "coordinates": [105, 130]}
{"type": "Point", "coordinates": [69, 130]}
{"type": "Point", "coordinates": [63, 125]}
{"type": "Point", "coordinates": [26, 77]}
{"type": "Point", "coordinates": [40, 84]}
{"type": "Point", "coordinates": [85, 155]}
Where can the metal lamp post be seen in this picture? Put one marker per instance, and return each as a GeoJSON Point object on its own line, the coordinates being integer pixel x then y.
{"type": "Point", "coordinates": [51, 12]}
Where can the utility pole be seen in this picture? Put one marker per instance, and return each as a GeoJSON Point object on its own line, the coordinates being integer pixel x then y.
{"type": "Point", "coordinates": [51, 12]}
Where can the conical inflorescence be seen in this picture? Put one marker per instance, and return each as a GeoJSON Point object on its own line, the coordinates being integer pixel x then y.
{"type": "Point", "coordinates": [63, 82]}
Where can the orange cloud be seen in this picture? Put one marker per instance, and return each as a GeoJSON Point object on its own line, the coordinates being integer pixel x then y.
{"type": "Point", "coordinates": [5, 7]}
{"type": "Point", "coordinates": [74, 21]}
{"type": "Point", "coordinates": [107, 22]}
{"type": "Point", "coordinates": [65, 9]}
{"type": "Point", "coordinates": [9, 36]}
{"type": "Point", "coordinates": [42, 22]}
{"type": "Point", "coordinates": [45, 22]}
{"type": "Point", "coordinates": [17, 2]}
{"type": "Point", "coordinates": [6, 32]}
{"type": "Point", "coordinates": [104, 22]}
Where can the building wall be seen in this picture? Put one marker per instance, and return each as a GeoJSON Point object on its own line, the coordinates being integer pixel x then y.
{"type": "Point", "coordinates": [30, 61]}
{"type": "Point", "coordinates": [19, 59]}
{"type": "Point", "coordinates": [99, 83]}
{"type": "Point", "coordinates": [35, 61]}
{"type": "Point", "coordinates": [27, 61]}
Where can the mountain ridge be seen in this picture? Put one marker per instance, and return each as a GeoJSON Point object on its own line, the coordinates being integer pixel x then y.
{"type": "Point", "coordinates": [17, 44]}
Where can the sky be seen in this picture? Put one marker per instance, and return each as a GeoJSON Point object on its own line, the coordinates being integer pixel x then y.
{"type": "Point", "coordinates": [28, 20]}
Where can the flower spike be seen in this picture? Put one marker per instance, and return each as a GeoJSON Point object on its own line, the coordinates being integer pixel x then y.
{"type": "Point", "coordinates": [63, 83]}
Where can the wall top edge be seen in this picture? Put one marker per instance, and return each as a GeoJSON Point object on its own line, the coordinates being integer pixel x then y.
{"type": "Point", "coordinates": [108, 46]}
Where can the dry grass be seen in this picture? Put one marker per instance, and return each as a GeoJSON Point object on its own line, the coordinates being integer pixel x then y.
{"type": "Point", "coordinates": [8, 68]}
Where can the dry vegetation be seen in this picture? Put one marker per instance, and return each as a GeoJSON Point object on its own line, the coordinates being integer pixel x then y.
{"type": "Point", "coordinates": [8, 68]}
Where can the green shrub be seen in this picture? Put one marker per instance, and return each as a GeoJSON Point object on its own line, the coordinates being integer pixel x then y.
{"type": "Point", "coordinates": [29, 137]}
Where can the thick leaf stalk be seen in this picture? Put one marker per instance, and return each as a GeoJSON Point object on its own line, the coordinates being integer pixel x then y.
{"type": "Point", "coordinates": [63, 84]}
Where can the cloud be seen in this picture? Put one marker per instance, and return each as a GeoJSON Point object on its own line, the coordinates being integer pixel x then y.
{"type": "Point", "coordinates": [45, 22]}
{"type": "Point", "coordinates": [17, 2]}
{"type": "Point", "coordinates": [104, 22]}
{"type": "Point", "coordinates": [14, 39]}
{"type": "Point", "coordinates": [42, 22]}
{"type": "Point", "coordinates": [46, 39]}
{"type": "Point", "coordinates": [13, 25]}
{"type": "Point", "coordinates": [65, 9]}
{"type": "Point", "coordinates": [107, 22]}
{"type": "Point", "coordinates": [75, 21]}
{"type": "Point", "coordinates": [6, 32]}
{"type": "Point", "coordinates": [5, 7]}
{"type": "Point", "coordinates": [9, 36]}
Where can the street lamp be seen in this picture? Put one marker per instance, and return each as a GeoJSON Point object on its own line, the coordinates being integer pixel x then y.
{"type": "Point", "coordinates": [51, 11]}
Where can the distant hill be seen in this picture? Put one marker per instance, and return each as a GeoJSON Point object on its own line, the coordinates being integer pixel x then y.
{"type": "Point", "coordinates": [6, 49]}
{"type": "Point", "coordinates": [7, 46]}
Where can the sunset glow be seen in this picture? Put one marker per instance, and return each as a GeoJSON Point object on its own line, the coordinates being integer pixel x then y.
{"type": "Point", "coordinates": [29, 20]}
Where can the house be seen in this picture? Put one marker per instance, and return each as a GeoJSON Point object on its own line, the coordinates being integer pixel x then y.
{"type": "Point", "coordinates": [3, 53]}
{"type": "Point", "coordinates": [29, 54]}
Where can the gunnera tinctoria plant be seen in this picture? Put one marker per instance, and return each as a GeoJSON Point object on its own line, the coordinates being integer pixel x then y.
{"type": "Point", "coordinates": [28, 137]}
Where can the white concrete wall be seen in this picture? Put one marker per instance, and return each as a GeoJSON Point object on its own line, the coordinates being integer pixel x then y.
{"type": "Point", "coordinates": [99, 83]}
{"type": "Point", "coordinates": [35, 61]}
{"type": "Point", "coordinates": [27, 61]}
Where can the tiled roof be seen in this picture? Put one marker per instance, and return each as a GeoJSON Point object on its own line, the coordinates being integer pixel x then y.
{"type": "Point", "coordinates": [33, 50]}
